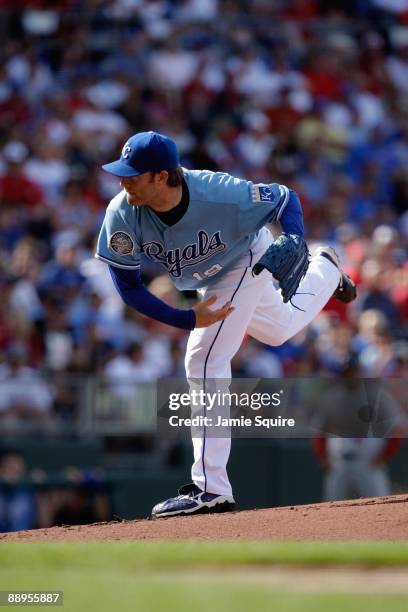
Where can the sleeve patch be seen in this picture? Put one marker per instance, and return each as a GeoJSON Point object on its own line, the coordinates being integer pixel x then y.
{"type": "Point", "coordinates": [262, 193]}
{"type": "Point", "coordinates": [121, 243]}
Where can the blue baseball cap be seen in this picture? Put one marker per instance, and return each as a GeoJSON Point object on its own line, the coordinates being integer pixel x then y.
{"type": "Point", "coordinates": [145, 152]}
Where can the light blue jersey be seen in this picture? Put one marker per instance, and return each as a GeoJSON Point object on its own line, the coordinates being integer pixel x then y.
{"type": "Point", "coordinates": [222, 219]}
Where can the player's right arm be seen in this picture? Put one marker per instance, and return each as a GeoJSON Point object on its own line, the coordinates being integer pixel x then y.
{"type": "Point", "coordinates": [136, 295]}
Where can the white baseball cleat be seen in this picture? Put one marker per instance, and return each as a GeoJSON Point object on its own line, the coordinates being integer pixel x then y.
{"type": "Point", "coordinates": [192, 500]}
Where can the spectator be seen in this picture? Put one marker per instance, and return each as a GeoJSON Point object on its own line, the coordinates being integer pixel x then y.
{"type": "Point", "coordinates": [85, 500]}
{"type": "Point", "coordinates": [80, 506]}
{"type": "Point", "coordinates": [24, 395]}
{"type": "Point", "coordinates": [124, 372]}
{"type": "Point", "coordinates": [375, 284]}
{"type": "Point", "coordinates": [16, 188]}
{"type": "Point", "coordinates": [17, 501]}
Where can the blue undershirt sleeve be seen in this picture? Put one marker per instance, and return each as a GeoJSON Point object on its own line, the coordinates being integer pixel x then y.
{"type": "Point", "coordinates": [134, 294]}
{"type": "Point", "coordinates": [291, 217]}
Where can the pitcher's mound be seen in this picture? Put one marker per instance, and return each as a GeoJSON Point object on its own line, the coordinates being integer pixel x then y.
{"type": "Point", "coordinates": [378, 518]}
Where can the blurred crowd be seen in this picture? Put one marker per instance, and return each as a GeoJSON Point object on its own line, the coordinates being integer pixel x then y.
{"type": "Point", "coordinates": [31, 499]}
{"type": "Point", "coordinates": [312, 94]}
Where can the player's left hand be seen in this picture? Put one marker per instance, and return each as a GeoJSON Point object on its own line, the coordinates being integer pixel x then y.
{"type": "Point", "coordinates": [287, 259]}
{"type": "Point", "coordinates": [205, 316]}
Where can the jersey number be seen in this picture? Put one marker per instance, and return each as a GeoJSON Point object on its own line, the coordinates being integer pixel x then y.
{"type": "Point", "coordinates": [210, 272]}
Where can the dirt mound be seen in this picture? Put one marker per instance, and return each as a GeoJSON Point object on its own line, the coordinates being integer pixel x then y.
{"type": "Point", "coordinates": [379, 518]}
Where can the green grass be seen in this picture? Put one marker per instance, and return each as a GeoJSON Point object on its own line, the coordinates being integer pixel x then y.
{"type": "Point", "coordinates": [159, 555]}
{"type": "Point", "coordinates": [173, 576]}
{"type": "Point", "coordinates": [109, 590]}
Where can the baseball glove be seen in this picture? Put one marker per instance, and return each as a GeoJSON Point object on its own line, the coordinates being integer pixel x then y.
{"type": "Point", "coordinates": [288, 260]}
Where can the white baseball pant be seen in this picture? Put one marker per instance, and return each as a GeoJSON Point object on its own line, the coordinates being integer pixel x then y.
{"type": "Point", "coordinates": [353, 479]}
{"type": "Point", "coordinates": [260, 312]}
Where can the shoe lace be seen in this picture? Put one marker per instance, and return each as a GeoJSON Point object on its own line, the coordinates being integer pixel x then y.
{"type": "Point", "coordinates": [189, 494]}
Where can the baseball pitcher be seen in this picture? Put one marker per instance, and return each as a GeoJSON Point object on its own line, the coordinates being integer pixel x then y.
{"type": "Point", "coordinates": [207, 230]}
